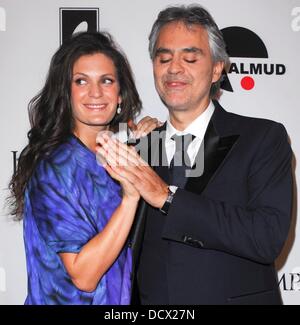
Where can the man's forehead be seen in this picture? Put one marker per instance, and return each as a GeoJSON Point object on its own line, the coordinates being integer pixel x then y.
{"type": "Point", "coordinates": [179, 33]}
{"type": "Point", "coordinates": [190, 49]}
{"type": "Point", "coordinates": [179, 37]}
{"type": "Point", "coordinates": [176, 26]}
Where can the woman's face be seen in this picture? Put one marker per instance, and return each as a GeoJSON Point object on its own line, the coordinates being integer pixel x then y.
{"type": "Point", "coordinates": [94, 91]}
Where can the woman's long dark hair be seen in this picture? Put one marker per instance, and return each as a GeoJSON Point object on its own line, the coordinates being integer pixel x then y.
{"type": "Point", "coordinates": [50, 112]}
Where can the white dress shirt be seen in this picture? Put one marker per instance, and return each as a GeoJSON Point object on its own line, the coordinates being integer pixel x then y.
{"type": "Point", "coordinates": [197, 128]}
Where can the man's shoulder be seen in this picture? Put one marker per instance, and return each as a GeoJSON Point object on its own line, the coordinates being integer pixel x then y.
{"type": "Point", "coordinates": [257, 121]}
{"type": "Point", "coordinates": [254, 125]}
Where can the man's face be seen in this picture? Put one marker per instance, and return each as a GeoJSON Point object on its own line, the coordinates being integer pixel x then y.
{"type": "Point", "coordinates": [183, 67]}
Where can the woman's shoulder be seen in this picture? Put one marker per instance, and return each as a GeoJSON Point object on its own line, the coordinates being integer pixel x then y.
{"type": "Point", "coordinates": [61, 160]}
{"type": "Point", "coordinates": [62, 154]}
{"type": "Point", "coordinates": [70, 159]}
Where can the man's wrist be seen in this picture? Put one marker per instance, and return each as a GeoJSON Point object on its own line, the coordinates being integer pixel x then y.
{"type": "Point", "coordinates": [171, 192]}
{"type": "Point", "coordinates": [163, 198]}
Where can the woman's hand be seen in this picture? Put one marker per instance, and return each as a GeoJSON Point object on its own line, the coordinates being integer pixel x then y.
{"type": "Point", "coordinates": [108, 162]}
{"type": "Point", "coordinates": [144, 126]}
{"type": "Point", "coordinates": [129, 191]}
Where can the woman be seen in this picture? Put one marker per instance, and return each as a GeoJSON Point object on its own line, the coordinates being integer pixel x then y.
{"type": "Point", "coordinates": [76, 221]}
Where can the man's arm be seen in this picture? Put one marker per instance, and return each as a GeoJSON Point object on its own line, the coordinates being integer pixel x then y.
{"type": "Point", "coordinates": [256, 231]}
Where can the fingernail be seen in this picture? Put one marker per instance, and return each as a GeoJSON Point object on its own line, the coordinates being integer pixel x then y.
{"type": "Point", "coordinates": [100, 140]}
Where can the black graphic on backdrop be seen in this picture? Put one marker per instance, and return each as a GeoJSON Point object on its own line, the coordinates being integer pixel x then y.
{"type": "Point", "coordinates": [244, 43]}
{"type": "Point", "coordinates": [77, 19]}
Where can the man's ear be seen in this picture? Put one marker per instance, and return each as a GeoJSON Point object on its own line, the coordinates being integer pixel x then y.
{"type": "Point", "coordinates": [217, 71]}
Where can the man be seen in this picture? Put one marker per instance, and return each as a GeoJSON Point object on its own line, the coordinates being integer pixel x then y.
{"type": "Point", "coordinates": [213, 238]}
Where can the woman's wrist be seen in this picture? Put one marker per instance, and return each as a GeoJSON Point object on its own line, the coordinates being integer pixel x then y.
{"type": "Point", "coordinates": [130, 200]}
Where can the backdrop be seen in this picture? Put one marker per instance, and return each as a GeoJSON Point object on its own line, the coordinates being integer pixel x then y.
{"type": "Point", "coordinates": [263, 38]}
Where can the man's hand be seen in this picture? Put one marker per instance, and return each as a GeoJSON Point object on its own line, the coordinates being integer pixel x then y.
{"type": "Point", "coordinates": [144, 126]}
{"type": "Point", "coordinates": [125, 162]}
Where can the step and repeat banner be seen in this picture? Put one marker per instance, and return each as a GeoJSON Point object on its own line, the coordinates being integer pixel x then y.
{"type": "Point", "coordinates": [263, 39]}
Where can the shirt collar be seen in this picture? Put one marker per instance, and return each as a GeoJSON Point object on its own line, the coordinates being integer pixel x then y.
{"type": "Point", "coordinates": [197, 127]}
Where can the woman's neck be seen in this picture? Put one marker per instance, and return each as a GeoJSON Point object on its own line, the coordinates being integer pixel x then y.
{"type": "Point", "coordinates": [88, 134]}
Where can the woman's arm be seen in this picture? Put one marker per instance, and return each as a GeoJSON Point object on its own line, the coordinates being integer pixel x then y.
{"type": "Point", "coordinates": [87, 267]}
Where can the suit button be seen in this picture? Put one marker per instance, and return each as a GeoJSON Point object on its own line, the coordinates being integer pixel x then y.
{"type": "Point", "coordinates": [193, 242]}
{"type": "Point", "coordinates": [200, 243]}
{"type": "Point", "coordinates": [187, 239]}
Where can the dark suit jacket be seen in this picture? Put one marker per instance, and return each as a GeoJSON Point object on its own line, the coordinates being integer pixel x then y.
{"type": "Point", "coordinates": [226, 228]}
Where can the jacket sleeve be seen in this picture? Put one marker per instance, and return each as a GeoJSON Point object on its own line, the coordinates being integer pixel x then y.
{"type": "Point", "coordinates": [256, 231]}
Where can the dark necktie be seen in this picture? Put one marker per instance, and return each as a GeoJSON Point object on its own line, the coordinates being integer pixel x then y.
{"type": "Point", "coordinates": [181, 161]}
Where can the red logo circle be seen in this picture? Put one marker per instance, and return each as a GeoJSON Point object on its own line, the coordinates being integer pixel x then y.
{"type": "Point", "coordinates": [248, 83]}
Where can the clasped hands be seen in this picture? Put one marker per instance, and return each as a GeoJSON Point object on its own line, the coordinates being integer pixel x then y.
{"type": "Point", "coordinates": [125, 165]}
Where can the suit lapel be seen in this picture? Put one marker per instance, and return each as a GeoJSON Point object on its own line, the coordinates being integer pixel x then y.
{"type": "Point", "coordinates": [160, 156]}
{"type": "Point", "coordinates": [217, 147]}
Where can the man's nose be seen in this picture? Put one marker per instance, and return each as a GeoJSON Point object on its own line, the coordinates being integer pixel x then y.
{"type": "Point", "coordinates": [175, 66]}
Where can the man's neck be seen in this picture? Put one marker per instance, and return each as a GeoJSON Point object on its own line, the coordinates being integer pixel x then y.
{"type": "Point", "coordinates": [182, 119]}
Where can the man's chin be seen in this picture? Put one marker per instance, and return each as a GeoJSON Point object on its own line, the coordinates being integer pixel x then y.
{"type": "Point", "coordinates": [177, 108]}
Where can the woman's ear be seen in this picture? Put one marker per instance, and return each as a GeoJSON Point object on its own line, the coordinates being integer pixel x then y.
{"type": "Point", "coordinates": [119, 100]}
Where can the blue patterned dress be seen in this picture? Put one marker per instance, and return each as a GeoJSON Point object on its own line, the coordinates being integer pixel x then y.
{"type": "Point", "coordinates": [69, 200]}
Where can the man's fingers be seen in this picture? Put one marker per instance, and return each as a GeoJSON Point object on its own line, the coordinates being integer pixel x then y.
{"type": "Point", "coordinates": [117, 154]}
{"type": "Point", "coordinates": [143, 125]}
{"type": "Point", "coordinates": [128, 173]}
{"type": "Point", "coordinates": [114, 158]}
{"type": "Point", "coordinates": [132, 126]}
{"type": "Point", "coordinates": [113, 173]}
{"type": "Point", "coordinates": [123, 154]}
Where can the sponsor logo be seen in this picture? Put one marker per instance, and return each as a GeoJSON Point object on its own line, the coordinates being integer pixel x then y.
{"type": "Point", "coordinates": [290, 281]}
{"type": "Point", "coordinates": [15, 160]}
{"type": "Point", "coordinates": [73, 20]}
{"type": "Point", "coordinates": [246, 49]}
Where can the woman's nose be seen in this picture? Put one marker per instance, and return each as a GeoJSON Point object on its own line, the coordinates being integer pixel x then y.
{"type": "Point", "coordinates": [95, 91]}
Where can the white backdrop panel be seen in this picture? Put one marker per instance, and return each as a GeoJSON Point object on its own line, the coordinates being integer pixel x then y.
{"type": "Point", "coordinates": [29, 35]}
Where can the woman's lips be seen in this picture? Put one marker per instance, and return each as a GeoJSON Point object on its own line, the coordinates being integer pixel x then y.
{"type": "Point", "coordinates": [96, 106]}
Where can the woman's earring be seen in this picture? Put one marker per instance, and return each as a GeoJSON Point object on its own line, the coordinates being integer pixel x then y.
{"type": "Point", "coordinates": [119, 109]}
